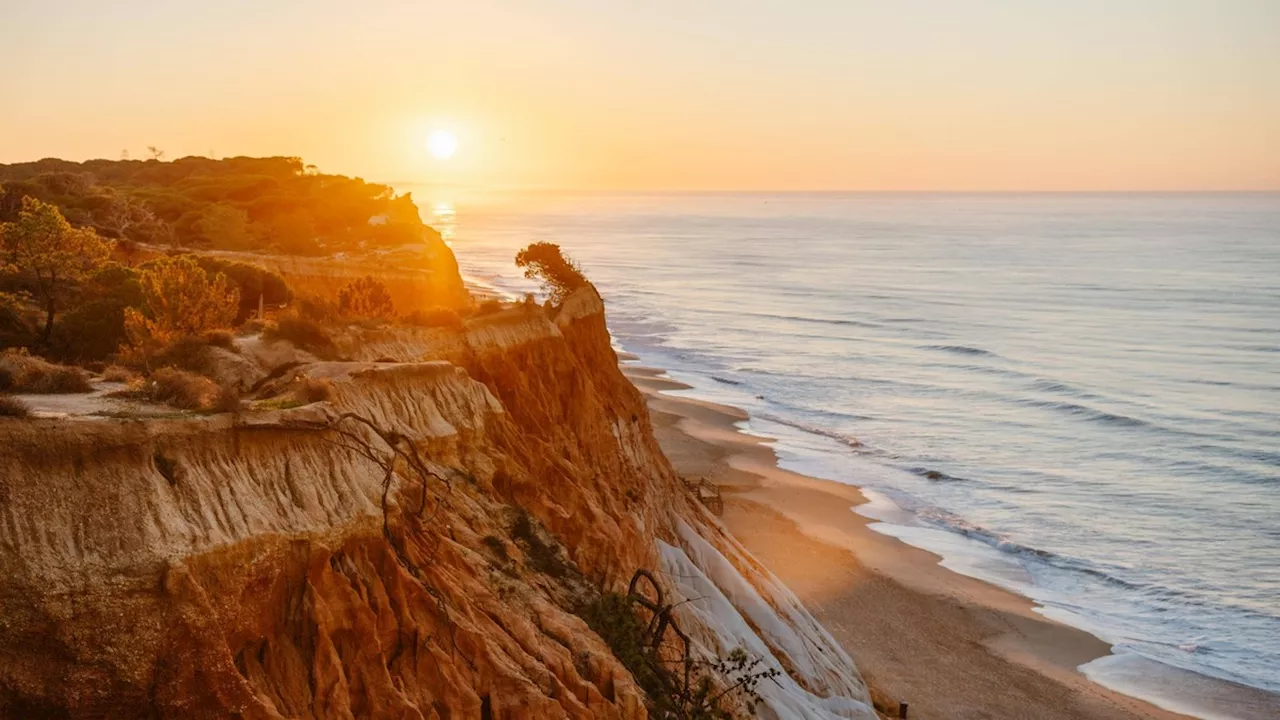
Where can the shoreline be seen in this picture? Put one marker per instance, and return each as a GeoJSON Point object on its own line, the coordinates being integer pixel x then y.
{"type": "Point", "coordinates": [950, 645]}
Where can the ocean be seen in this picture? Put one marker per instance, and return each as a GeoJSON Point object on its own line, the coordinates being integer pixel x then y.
{"type": "Point", "coordinates": [1074, 396]}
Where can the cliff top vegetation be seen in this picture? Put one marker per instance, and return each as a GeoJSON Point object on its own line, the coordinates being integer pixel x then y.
{"type": "Point", "coordinates": [275, 204]}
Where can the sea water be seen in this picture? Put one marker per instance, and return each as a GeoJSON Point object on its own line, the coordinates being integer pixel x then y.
{"type": "Point", "coordinates": [1076, 397]}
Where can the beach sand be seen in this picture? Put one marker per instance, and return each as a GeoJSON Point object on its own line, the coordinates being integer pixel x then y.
{"type": "Point", "coordinates": [951, 646]}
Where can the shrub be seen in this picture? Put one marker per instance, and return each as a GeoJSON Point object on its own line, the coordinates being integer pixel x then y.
{"type": "Point", "coordinates": [303, 334]}
{"type": "Point", "coordinates": [317, 308]}
{"type": "Point", "coordinates": [253, 282]}
{"type": "Point", "coordinates": [678, 688]}
{"type": "Point", "coordinates": [13, 407]}
{"type": "Point", "coordinates": [180, 389]}
{"type": "Point", "coordinates": [117, 373]}
{"type": "Point", "coordinates": [220, 338]}
{"type": "Point", "coordinates": [543, 556]}
{"type": "Point", "coordinates": [187, 353]}
{"type": "Point", "coordinates": [228, 400]}
{"type": "Point", "coordinates": [30, 374]}
{"type": "Point", "coordinates": [15, 329]}
{"type": "Point", "coordinates": [366, 297]}
{"type": "Point", "coordinates": [94, 329]}
{"type": "Point", "coordinates": [494, 543]}
{"type": "Point", "coordinates": [488, 307]}
{"type": "Point", "coordinates": [314, 390]}
{"type": "Point", "coordinates": [434, 317]}
{"type": "Point", "coordinates": [615, 620]}
{"type": "Point", "coordinates": [556, 272]}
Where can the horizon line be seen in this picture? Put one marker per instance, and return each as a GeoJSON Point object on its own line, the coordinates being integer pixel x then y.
{"type": "Point", "coordinates": [930, 191]}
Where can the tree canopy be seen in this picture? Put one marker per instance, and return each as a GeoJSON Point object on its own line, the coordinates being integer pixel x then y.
{"type": "Point", "coordinates": [179, 299]}
{"type": "Point", "coordinates": [42, 246]}
{"type": "Point", "coordinates": [273, 204]}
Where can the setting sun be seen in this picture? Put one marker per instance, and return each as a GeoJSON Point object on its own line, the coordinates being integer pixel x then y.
{"type": "Point", "coordinates": [442, 145]}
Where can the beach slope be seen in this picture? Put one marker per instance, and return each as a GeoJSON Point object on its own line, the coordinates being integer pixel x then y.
{"type": "Point", "coordinates": [950, 646]}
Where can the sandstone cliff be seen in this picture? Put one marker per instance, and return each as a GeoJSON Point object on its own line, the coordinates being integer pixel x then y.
{"type": "Point", "coordinates": [267, 564]}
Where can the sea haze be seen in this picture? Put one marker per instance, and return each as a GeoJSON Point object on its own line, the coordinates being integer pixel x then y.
{"type": "Point", "coordinates": [1075, 396]}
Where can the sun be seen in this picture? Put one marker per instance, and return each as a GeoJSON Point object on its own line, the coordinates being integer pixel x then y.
{"type": "Point", "coordinates": [442, 144]}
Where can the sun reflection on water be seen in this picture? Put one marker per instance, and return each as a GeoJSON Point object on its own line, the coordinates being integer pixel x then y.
{"type": "Point", "coordinates": [444, 219]}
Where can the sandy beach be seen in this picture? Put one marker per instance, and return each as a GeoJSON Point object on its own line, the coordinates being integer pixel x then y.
{"type": "Point", "coordinates": [951, 646]}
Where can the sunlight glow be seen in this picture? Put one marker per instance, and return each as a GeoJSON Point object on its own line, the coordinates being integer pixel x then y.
{"type": "Point", "coordinates": [442, 144]}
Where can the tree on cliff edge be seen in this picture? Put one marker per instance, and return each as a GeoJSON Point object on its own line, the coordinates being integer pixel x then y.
{"type": "Point", "coordinates": [42, 245]}
{"type": "Point", "coordinates": [556, 272]}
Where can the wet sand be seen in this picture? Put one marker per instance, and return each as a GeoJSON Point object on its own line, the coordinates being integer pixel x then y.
{"type": "Point", "coordinates": [951, 646]}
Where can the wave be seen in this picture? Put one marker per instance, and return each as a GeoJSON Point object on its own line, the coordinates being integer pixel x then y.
{"type": "Point", "coordinates": [936, 475]}
{"type": "Point", "coordinates": [960, 349]}
{"type": "Point", "coordinates": [954, 523]}
{"type": "Point", "coordinates": [725, 380]}
{"type": "Point", "coordinates": [741, 313]}
{"type": "Point", "coordinates": [1088, 413]}
{"type": "Point", "coordinates": [1061, 388]}
{"type": "Point", "coordinates": [842, 438]}
{"type": "Point", "coordinates": [818, 321]}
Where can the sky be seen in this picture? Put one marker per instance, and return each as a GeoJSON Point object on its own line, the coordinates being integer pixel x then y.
{"type": "Point", "coordinates": [1020, 95]}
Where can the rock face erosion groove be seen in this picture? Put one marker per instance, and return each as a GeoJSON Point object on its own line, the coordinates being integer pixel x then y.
{"type": "Point", "coordinates": [249, 565]}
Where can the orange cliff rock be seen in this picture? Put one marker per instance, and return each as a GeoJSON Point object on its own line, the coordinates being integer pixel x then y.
{"type": "Point", "coordinates": [265, 566]}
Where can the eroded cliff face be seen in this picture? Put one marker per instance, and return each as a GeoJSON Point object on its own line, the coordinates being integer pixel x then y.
{"type": "Point", "coordinates": [267, 565]}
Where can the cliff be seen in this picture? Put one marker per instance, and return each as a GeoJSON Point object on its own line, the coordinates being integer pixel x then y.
{"type": "Point", "coordinates": [415, 547]}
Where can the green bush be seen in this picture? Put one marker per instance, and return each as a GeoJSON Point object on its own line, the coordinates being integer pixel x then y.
{"type": "Point", "coordinates": [94, 329]}
{"type": "Point", "coordinates": [253, 282]}
{"type": "Point", "coordinates": [681, 687]}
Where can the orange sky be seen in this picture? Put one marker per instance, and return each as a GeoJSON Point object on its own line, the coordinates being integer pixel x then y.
{"type": "Point", "coordinates": [796, 95]}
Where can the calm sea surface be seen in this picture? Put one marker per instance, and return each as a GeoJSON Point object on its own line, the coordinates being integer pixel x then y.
{"type": "Point", "coordinates": [1074, 396]}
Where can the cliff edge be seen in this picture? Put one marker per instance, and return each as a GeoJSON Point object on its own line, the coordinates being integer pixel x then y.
{"type": "Point", "coordinates": [418, 546]}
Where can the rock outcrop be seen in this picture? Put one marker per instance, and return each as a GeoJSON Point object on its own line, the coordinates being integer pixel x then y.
{"type": "Point", "coordinates": [278, 564]}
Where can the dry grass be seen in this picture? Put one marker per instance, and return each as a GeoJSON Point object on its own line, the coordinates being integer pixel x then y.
{"type": "Point", "coordinates": [314, 390]}
{"type": "Point", "coordinates": [118, 373]}
{"type": "Point", "coordinates": [303, 334]}
{"type": "Point", "coordinates": [433, 317]}
{"type": "Point", "coordinates": [228, 400]}
{"type": "Point", "coordinates": [221, 338]}
{"type": "Point", "coordinates": [192, 354]}
{"type": "Point", "coordinates": [13, 407]}
{"type": "Point", "coordinates": [180, 389]}
{"type": "Point", "coordinates": [20, 373]}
